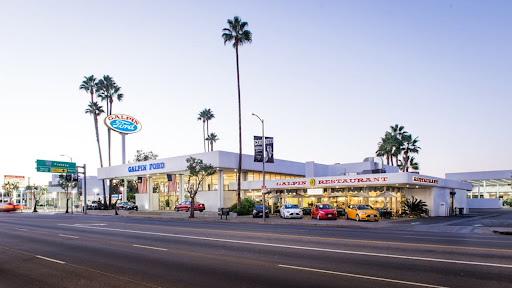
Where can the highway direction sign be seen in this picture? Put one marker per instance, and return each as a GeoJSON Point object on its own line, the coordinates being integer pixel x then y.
{"type": "Point", "coordinates": [55, 166]}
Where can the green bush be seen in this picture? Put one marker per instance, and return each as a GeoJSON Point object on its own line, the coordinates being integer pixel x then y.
{"type": "Point", "coordinates": [246, 207]}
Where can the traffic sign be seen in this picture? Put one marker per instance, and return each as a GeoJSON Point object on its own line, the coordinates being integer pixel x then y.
{"type": "Point", "coordinates": [264, 189]}
{"type": "Point", "coordinates": [55, 166]}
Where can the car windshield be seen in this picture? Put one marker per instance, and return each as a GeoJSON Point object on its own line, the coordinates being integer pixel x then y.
{"type": "Point", "coordinates": [324, 206]}
{"type": "Point", "coordinates": [258, 206]}
{"type": "Point", "coordinates": [291, 206]}
{"type": "Point", "coordinates": [363, 207]}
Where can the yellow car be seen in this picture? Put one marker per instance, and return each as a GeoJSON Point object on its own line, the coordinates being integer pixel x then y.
{"type": "Point", "coordinates": [361, 212]}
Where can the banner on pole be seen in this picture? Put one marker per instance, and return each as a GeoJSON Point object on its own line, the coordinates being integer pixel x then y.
{"type": "Point", "coordinates": [268, 154]}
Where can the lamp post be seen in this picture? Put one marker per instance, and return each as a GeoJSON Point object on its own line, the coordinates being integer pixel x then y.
{"type": "Point", "coordinates": [263, 187]}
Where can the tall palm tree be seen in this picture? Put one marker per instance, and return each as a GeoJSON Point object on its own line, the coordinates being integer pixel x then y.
{"type": "Point", "coordinates": [237, 34]}
{"type": "Point", "coordinates": [397, 131]}
{"type": "Point", "coordinates": [209, 116]}
{"type": "Point", "coordinates": [202, 117]}
{"type": "Point", "coordinates": [96, 110]}
{"type": "Point", "coordinates": [89, 85]}
{"type": "Point", "coordinates": [212, 138]}
{"type": "Point", "coordinates": [386, 147]}
{"type": "Point", "coordinates": [107, 91]}
{"type": "Point", "coordinates": [410, 147]}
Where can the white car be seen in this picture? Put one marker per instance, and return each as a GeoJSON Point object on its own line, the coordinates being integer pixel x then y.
{"type": "Point", "coordinates": [290, 211]}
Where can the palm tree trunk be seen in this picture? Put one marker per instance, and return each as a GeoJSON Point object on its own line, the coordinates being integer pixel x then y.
{"type": "Point", "coordinates": [208, 133]}
{"type": "Point", "coordinates": [204, 138]}
{"type": "Point", "coordinates": [239, 171]}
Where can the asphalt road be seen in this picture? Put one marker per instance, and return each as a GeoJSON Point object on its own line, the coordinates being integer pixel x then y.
{"type": "Point", "coordinates": [38, 250]}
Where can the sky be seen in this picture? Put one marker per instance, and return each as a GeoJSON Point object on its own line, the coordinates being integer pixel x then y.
{"type": "Point", "coordinates": [328, 77]}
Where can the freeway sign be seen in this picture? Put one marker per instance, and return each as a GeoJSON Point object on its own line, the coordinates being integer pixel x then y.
{"type": "Point", "coordinates": [55, 166]}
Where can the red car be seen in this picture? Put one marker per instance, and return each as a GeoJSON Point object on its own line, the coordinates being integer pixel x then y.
{"type": "Point", "coordinates": [185, 206]}
{"type": "Point", "coordinates": [9, 206]}
{"type": "Point", "coordinates": [323, 211]}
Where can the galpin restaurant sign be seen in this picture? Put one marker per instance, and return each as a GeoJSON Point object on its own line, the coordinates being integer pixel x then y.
{"type": "Point", "coordinates": [123, 123]}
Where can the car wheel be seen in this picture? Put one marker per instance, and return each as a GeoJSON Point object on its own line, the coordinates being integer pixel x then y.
{"type": "Point", "coordinates": [201, 211]}
{"type": "Point", "coordinates": [176, 209]}
{"type": "Point", "coordinates": [253, 216]}
{"type": "Point", "coordinates": [186, 210]}
{"type": "Point", "coordinates": [346, 216]}
{"type": "Point", "coordinates": [357, 217]}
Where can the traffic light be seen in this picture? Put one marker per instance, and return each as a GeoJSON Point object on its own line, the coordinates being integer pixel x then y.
{"type": "Point", "coordinates": [69, 177]}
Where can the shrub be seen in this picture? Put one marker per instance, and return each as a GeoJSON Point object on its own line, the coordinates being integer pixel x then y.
{"type": "Point", "coordinates": [415, 207]}
{"type": "Point", "coordinates": [246, 206]}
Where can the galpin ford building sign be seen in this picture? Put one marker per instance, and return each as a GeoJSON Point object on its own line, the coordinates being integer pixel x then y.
{"type": "Point", "coordinates": [123, 123]}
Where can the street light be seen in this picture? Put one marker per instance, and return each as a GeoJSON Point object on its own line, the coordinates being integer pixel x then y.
{"type": "Point", "coordinates": [263, 187]}
{"type": "Point", "coordinates": [70, 158]}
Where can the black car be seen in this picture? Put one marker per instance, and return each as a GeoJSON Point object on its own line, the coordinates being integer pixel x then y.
{"type": "Point", "coordinates": [257, 211]}
{"type": "Point", "coordinates": [127, 206]}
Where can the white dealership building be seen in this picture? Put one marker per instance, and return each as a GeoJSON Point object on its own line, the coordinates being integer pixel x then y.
{"type": "Point", "coordinates": [161, 183]}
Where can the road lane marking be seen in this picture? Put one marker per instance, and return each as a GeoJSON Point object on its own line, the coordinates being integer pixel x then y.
{"type": "Point", "coordinates": [149, 247]}
{"type": "Point", "coordinates": [82, 267]}
{"type": "Point", "coordinates": [361, 276]}
{"type": "Point", "coordinates": [50, 259]}
{"type": "Point", "coordinates": [21, 229]}
{"type": "Point", "coordinates": [302, 248]}
{"type": "Point", "coordinates": [330, 239]}
{"type": "Point", "coordinates": [69, 236]}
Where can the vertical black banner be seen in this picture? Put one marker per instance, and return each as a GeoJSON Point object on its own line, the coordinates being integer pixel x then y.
{"type": "Point", "coordinates": [258, 149]}
{"type": "Point", "coordinates": [269, 146]}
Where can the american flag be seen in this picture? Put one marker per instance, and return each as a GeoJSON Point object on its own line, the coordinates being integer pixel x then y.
{"type": "Point", "coordinates": [141, 185]}
{"type": "Point", "coordinates": [173, 186]}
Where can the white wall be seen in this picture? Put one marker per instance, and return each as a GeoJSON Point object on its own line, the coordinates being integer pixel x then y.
{"type": "Point", "coordinates": [209, 198]}
{"type": "Point", "coordinates": [484, 203]}
{"type": "Point", "coordinates": [424, 194]}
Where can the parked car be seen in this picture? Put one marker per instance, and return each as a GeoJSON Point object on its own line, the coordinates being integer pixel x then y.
{"type": "Point", "coordinates": [95, 205]}
{"type": "Point", "coordinates": [7, 207]}
{"type": "Point", "coordinates": [185, 206]}
{"type": "Point", "coordinates": [323, 211]}
{"type": "Point", "coordinates": [290, 211]}
{"type": "Point", "coordinates": [257, 211]}
{"type": "Point", "coordinates": [127, 206]}
{"type": "Point", "coordinates": [361, 212]}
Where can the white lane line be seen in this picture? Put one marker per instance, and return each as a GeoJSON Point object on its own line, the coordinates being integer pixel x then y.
{"type": "Point", "coordinates": [302, 248]}
{"type": "Point", "coordinates": [69, 236]}
{"type": "Point", "coordinates": [361, 276]}
{"type": "Point", "coordinates": [50, 259]}
{"type": "Point", "coordinates": [85, 224]}
{"type": "Point", "coordinates": [459, 239]}
{"type": "Point", "coordinates": [21, 229]}
{"type": "Point", "coordinates": [149, 247]}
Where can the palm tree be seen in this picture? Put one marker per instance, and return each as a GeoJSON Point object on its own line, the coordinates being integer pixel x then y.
{"type": "Point", "coordinates": [410, 147]}
{"type": "Point", "coordinates": [386, 147]}
{"type": "Point", "coordinates": [96, 110]}
{"type": "Point", "coordinates": [237, 34]}
{"type": "Point", "coordinates": [397, 131]}
{"type": "Point", "coordinates": [209, 116]}
{"type": "Point", "coordinates": [89, 86]}
{"type": "Point", "coordinates": [107, 91]}
{"type": "Point", "coordinates": [202, 117]}
{"type": "Point", "coordinates": [212, 138]}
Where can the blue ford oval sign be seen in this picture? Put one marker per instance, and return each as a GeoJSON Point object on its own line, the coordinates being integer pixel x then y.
{"type": "Point", "coordinates": [123, 123]}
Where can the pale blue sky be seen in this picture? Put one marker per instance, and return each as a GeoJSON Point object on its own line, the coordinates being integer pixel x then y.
{"type": "Point", "coordinates": [328, 77]}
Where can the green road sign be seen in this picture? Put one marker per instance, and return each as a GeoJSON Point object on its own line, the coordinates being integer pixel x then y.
{"type": "Point", "coordinates": [55, 167]}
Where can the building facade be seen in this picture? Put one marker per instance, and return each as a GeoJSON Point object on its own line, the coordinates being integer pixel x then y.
{"type": "Point", "coordinates": [162, 183]}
